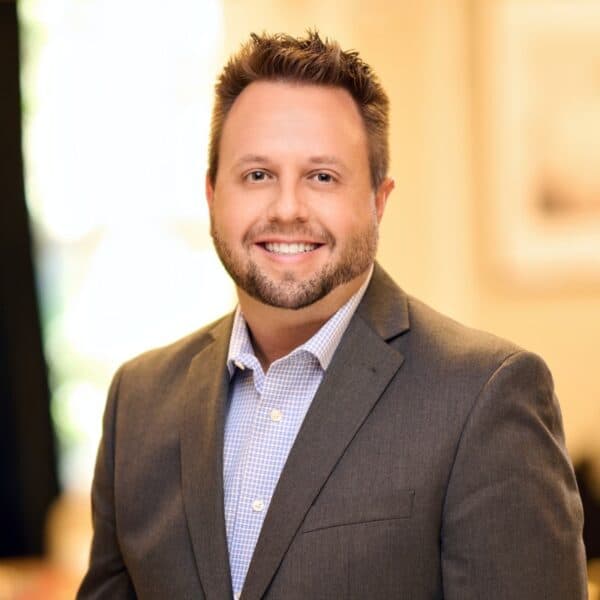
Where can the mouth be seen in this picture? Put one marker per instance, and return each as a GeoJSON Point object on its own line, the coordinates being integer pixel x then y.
{"type": "Point", "coordinates": [289, 248]}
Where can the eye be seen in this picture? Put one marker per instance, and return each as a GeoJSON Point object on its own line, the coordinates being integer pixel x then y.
{"type": "Point", "coordinates": [256, 176]}
{"type": "Point", "coordinates": [323, 177]}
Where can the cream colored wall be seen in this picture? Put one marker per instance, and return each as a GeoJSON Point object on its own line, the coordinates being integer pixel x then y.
{"type": "Point", "coordinates": [426, 55]}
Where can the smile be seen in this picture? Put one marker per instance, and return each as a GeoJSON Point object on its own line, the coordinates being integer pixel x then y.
{"type": "Point", "coordinates": [293, 248]}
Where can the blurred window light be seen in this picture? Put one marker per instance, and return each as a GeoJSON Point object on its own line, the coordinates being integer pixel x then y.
{"type": "Point", "coordinates": [117, 99]}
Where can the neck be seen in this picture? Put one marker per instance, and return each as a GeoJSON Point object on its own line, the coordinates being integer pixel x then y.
{"type": "Point", "coordinates": [275, 332]}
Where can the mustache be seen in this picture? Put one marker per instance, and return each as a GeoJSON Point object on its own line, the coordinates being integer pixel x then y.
{"type": "Point", "coordinates": [299, 230]}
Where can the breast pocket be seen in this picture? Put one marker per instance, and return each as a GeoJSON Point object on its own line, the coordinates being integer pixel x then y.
{"type": "Point", "coordinates": [349, 510]}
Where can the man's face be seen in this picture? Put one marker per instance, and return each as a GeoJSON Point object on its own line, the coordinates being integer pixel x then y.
{"type": "Point", "coordinates": [293, 212]}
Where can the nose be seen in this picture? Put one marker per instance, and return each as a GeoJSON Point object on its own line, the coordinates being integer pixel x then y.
{"type": "Point", "coordinates": [288, 204]}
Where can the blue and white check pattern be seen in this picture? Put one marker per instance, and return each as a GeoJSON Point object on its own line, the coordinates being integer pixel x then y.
{"type": "Point", "coordinates": [264, 417]}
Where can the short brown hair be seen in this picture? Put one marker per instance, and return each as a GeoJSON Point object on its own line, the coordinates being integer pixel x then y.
{"type": "Point", "coordinates": [311, 60]}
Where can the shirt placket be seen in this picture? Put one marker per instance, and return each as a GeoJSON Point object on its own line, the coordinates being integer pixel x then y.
{"type": "Point", "coordinates": [266, 453]}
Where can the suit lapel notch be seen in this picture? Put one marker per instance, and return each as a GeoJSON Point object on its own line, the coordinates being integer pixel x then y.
{"type": "Point", "coordinates": [385, 306]}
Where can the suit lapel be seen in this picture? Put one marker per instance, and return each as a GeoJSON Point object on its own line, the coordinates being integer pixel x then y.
{"type": "Point", "coordinates": [201, 444]}
{"type": "Point", "coordinates": [361, 369]}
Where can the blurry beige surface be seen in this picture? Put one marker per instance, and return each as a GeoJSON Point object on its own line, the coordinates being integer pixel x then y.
{"type": "Point", "coordinates": [594, 579]}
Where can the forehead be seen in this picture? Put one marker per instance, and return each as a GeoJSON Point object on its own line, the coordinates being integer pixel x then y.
{"type": "Point", "coordinates": [282, 118]}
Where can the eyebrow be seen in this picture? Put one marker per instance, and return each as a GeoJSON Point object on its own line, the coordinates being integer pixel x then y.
{"type": "Point", "coordinates": [250, 158]}
{"type": "Point", "coordinates": [324, 159]}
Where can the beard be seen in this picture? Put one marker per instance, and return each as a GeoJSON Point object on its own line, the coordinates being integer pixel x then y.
{"type": "Point", "coordinates": [356, 257]}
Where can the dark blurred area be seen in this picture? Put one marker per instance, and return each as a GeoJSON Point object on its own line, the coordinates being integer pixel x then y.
{"type": "Point", "coordinates": [28, 476]}
{"type": "Point", "coordinates": [591, 509]}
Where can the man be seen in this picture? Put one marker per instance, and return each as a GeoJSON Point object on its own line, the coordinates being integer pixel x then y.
{"type": "Point", "coordinates": [334, 437]}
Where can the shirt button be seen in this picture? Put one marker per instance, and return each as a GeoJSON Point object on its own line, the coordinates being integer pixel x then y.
{"type": "Point", "coordinates": [276, 415]}
{"type": "Point", "coordinates": [258, 505]}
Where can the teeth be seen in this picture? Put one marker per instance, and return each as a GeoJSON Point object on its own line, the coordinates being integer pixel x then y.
{"type": "Point", "coordinates": [295, 248]}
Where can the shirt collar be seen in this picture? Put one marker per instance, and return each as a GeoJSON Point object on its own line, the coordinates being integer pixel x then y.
{"type": "Point", "coordinates": [322, 345]}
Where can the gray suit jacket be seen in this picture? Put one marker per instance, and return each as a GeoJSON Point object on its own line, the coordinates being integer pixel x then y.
{"type": "Point", "coordinates": [431, 464]}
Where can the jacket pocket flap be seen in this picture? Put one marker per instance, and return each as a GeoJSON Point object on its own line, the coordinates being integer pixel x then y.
{"type": "Point", "coordinates": [359, 509]}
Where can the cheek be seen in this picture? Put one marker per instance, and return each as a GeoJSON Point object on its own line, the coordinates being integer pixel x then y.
{"type": "Point", "coordinates": [233, 219]}
{"type": "Point", "coordinates": [345, 219]}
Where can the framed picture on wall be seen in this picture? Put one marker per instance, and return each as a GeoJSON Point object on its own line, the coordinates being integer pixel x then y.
{"type": "Point", "coordinates": [539, 74]}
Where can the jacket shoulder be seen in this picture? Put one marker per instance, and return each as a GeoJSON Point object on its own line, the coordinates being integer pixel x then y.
{"type": "Point", "coordinates": [452, 349]}
{"type": "Point", "coordinates": [413, 326]}
{"type": "Point", "coordinates": [443, 333]}
{"type": "Point", "coordinates": [175, 357]}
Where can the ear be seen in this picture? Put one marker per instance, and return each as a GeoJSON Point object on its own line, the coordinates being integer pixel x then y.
{"type": "Point", "coordinates": [381, 195]}
{"type": "Point", "coordinates": [209, 191]}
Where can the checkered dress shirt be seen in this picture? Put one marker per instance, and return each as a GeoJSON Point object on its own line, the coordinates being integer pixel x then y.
{"type": "Point", "coordinates": [264, 417]}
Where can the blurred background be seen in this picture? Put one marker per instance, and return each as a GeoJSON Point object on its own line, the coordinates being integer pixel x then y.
{"type": "Point", "coordinates": [105, 250]}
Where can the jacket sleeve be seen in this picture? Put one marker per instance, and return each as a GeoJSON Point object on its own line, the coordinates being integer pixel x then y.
{"type": "Point", "coordinates": [107, 576]}
{"type": "Point", "coordinates": [512, 521]}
